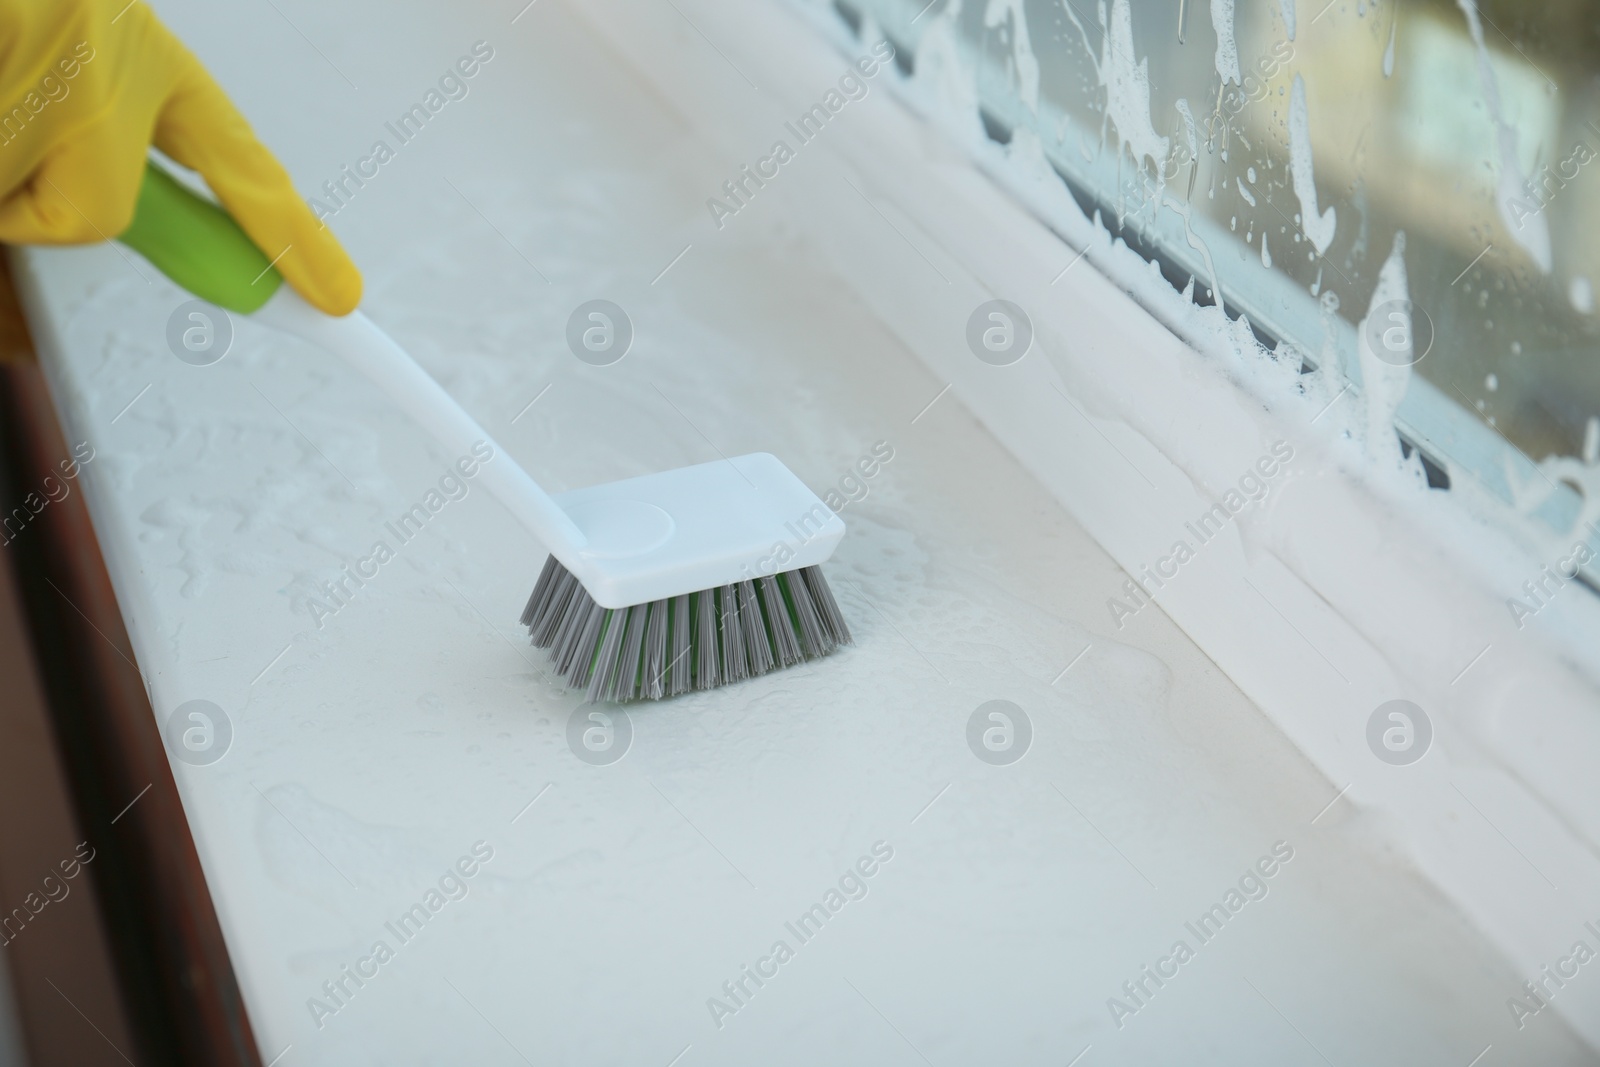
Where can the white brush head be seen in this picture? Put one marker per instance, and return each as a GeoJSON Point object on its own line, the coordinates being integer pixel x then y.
{"type": "Point", "coordinates": [679, 531]}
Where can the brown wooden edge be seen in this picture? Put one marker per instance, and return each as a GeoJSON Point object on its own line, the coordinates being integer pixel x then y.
{"type": "Point", "coordinates": [176, 979]}
{"type": "Point", "coordinates": [68, 1008]}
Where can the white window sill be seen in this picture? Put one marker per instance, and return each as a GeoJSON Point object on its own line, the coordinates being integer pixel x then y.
{"type": "Point", "coordinates": [1349, 590]}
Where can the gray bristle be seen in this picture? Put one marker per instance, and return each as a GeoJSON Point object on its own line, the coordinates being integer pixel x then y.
{"type": "Point", "coordinates": [731, 638]}
{"type": "Point", "coordinates": [757, 652]}
{"type": "Point", "coordinates": [608, 660]}
{"type": "Point", "coordinates": [828, 613]}
{"type": "Point", "coordinates": [655, 652]}
{"type": "Point", "coordinates": [543, 591]}
{"type": "Point", "coordinates": [780, 627]}
{"type": "Point", "coordinates": [696, 641]}
{"type": "Point", "coordinates": [813, 642]}
{"type": "Point", "coordinates": [705, 639]}
{"type": "Point", "coordinates": [681, 646]}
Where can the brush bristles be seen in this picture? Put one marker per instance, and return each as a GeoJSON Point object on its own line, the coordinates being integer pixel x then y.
{"type": "Point", "coordinates": [696, 641]}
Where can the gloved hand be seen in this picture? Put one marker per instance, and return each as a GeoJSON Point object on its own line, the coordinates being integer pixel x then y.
{"type": "Point", "coordinates": [86, 86]}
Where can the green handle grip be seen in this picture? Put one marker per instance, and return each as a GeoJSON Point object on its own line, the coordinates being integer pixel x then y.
{"type": "Point", "coordinates": [198, 245]}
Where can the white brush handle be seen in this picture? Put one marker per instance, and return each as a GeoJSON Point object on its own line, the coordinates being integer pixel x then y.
{"type": "Point", "coordinates": [374, 353]}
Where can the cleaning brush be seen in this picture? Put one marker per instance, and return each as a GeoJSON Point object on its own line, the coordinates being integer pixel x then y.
{"type": "Point", "coordinates": [691, 641]}
{"type": "Point", "coordinates": [655, 586]}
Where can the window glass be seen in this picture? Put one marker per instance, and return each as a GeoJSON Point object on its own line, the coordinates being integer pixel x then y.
{"type": "Point", "coordinates": [1419, 173]}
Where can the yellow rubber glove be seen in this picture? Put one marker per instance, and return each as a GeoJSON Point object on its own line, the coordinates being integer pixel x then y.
{"type": "Point", "coordinates": [86, 86]}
